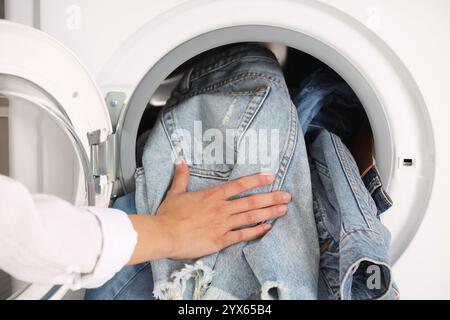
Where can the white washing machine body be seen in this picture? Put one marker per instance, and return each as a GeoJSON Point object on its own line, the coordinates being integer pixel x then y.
{"type": "Point", "coordinates": [394, 54]}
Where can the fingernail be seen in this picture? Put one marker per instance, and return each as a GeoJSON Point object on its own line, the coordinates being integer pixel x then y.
{"type": "Point", "coordinates": [287, 197]}
{"type": "Point", "coordinates": [267, 226]}
{"type": "Point", "coordinates": [179, 162]}
{"type": "Point", "coordinates": [269, 176]}
{"type": "Point", "coordinates": [282, 209]}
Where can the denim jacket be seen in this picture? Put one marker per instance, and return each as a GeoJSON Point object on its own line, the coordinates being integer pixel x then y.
{"type": "Point", "coordinates": [325, 100]}
{"type": "Point", "coordinates": [241, 90]}
{"type": "Point", "coordinates": [354, 244]}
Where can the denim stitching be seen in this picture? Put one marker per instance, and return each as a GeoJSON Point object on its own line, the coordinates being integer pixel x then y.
{"type": "Point", "coordinates": [233, 54]}
{"type": "Point", "coordinates": [223, 64]}
{"type": "Point", "coordinates": [248, 115]}
{"type": "Point", "coordinates": [229, 55]}
{"type": "Point", "coordinates": [197, 172]}
{"type": "Point", "coordinates": [320, 221]}
{"type": "Point", "coordinates": [169, 125]}
{"type": "Point", "coordinates": [385, 197]}
{"type": "Point", "coordinates": [251, 111]}
{"type": "Point", "coordinates": [378, 188]}
{"type": "Point", "coordinates": [346, 234]}
{"type": "Point", "coordinates": [334, 292]}
{"type": "Point", "coordinates": [374, 184]}
{"type": "Point", "coordinates": [349, 176]}
{"type": "Point", "coordinates": [375, 187]}
{"type": "Point", "coordinates": [323, 169]}
{"type": "Point", "coordinates": [129, 280]}
{"type": "Point", "coordinates": [237, 78]}
{"type": "Point", "coordinates": [289, 151]}
{"type": "Point", "coordinates": [234, 51]}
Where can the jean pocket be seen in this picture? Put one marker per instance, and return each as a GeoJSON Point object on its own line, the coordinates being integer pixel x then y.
{"type": "Point", "coordinates": [205, 130]}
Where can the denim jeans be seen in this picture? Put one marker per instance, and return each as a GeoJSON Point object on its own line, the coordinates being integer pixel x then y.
{"type": "Point", "coordinates": [354, 244]}
{"type": "Point", "coordinates": [325, 100]}
{"type": "Point", "coordinates": [285, 263]}
{"type": "Point", "coordinates": [131, 282]}
{"type": "Point", "coordinates": [242, 90]}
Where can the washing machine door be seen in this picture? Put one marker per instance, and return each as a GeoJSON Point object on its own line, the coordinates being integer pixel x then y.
{"type": "Point", "coordinates": [60, 134]}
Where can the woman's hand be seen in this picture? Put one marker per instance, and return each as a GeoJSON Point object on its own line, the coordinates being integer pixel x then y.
{"type": "Point", "coordinates": [203, 222]}
{"type": "Point", "coordinates": [194, 224]}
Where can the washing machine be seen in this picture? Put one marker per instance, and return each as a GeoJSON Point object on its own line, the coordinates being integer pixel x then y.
{"type": "Point", "coordinates": [78, 76]}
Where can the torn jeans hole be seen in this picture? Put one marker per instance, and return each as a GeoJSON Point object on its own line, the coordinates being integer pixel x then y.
{"type": "Point", "coordinates": [174, 290]}
{"type": "Point", "coordinates": [274, 290]}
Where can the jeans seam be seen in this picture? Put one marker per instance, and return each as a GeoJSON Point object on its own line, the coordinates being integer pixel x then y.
{"type": "Point", "coordinates": [320, 221]}
{"type": "Point", "coordinates": [236, 78]}
{"type": "Point", "coordinates": [385, 197]}
{"type": "Point", "coordinates": [349, 232]}
{"type": "Point", "coordinates": [349, 176]}
{"type": "Point", "coordinates": [198, 74]}
{"type": "Point", "coordinates": [202, 173]}
{"type": "Point", "coordinates": [321, 168]}
{"type": "Point", "coordinates": [327, 282]}
{"type": "Point", "coordinates": [371, 185]}
{"type": "Point", "coordinates": [169, 124]}
{"type": "Point", "coordinates": [250, 112]}
{"type": "Point", "coordinates": [289, 149]}
{"type": "Point", "coordinates": [233, 53]}
{"type": "Point", "coordinates": [129, 280]}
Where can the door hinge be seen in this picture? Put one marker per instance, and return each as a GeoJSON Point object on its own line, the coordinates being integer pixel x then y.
{"type": "Point", "coordinates": [103, 151]}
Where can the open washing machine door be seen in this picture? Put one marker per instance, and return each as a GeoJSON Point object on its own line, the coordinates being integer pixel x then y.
{"type": "Point", "coordinates": [60, 135]}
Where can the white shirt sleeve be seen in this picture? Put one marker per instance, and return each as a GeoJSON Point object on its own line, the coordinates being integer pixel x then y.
{"type": "Point", "coordinates": [46, 240]}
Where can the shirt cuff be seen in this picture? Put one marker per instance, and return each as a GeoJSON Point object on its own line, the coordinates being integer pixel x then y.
{"type": "Point", "coordinates": [119, 241]}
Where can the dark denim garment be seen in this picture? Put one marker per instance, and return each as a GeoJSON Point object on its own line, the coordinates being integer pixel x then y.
{"type": "Point", "coordinates": [373, 183]}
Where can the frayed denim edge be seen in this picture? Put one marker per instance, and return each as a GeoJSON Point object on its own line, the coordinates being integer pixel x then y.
{"type": "Point", "coordinates": [174, 290]}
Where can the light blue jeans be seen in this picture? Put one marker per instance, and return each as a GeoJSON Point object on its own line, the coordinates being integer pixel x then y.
{"type": "Point", "coordinates": [340, 208]}
{"type": "Point", "coordinates": [241, 90]}
{"type": "Point", "coordinates": [325, 100]}
{"type": "Point", "coordinates": [354, 262]}
{"type": "Point", "coordinates": [354, 244]}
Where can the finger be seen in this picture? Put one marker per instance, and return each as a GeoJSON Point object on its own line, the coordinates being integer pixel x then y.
{"type": "Point", "coordinates": [257, 201]}
{"type": "Point", "coordinates": [180, 178]}
{"type": "Point", "coordinates": [232, 188]}
{"type": "Point", "coordinates": [256, 216]}
{"type": "Point", "coordinates": [233, 237]}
